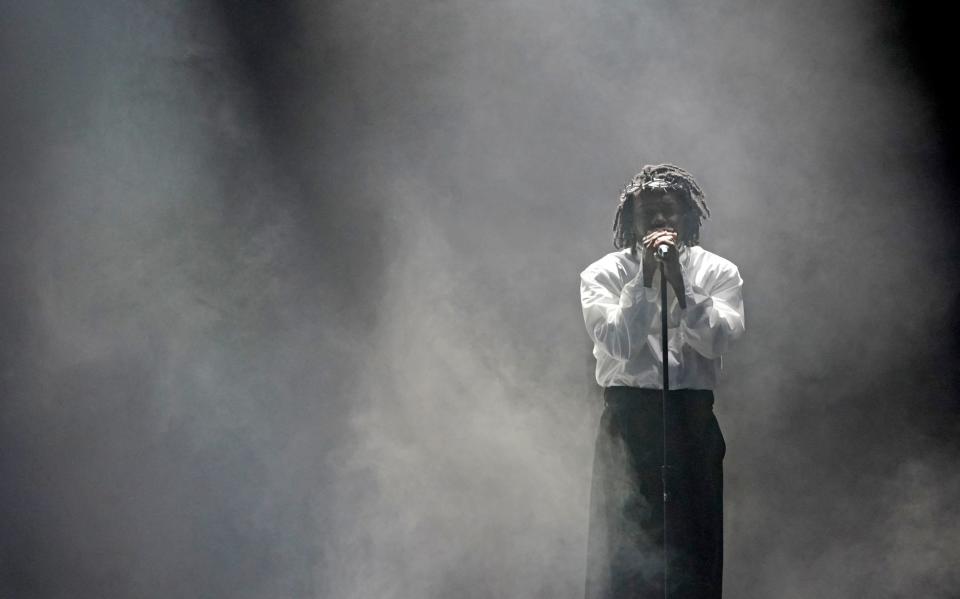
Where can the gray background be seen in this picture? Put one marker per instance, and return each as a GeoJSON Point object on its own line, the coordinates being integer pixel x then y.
{"type": "Point", "coordinates": [290, 290]}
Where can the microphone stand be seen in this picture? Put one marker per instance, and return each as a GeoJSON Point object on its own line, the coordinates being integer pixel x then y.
{"type": "Point", "coordinates": [664, 349]}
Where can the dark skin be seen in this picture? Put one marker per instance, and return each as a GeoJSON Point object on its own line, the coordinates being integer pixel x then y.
{"type": "Point", "coordinates": [658, 219]}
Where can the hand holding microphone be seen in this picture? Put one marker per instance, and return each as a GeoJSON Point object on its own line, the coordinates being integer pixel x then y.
{"type": "Point", "coordinates": [661, 245]}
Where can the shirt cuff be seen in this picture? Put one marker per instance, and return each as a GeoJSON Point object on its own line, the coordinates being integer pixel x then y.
{"type": "Point", "coordinates": [697, 299]}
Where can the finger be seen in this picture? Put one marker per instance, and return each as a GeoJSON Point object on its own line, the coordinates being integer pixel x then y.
{"type": "Point", "coordinates": [651, 237]}
{"type": "Point", "coordinates": [657, 232]}
{"type": "Point", "coordinates": [660, 233]}
{"type": "Point", "coordinates": [664, 238]}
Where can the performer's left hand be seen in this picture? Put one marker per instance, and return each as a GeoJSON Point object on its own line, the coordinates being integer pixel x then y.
{"type": "Point", "coordinates": [674, 271]}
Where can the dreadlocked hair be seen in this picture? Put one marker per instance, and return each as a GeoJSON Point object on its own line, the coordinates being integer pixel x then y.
{"type": "Point", "coordinates": [660, 178]}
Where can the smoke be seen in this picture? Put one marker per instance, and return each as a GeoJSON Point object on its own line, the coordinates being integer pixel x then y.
{"type": "Point", "coordinates": [473, 453]}
{"type": "Point", "coordinates": [292, 292]}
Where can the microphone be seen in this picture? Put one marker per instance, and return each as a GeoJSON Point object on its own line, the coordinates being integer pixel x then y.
{"type": "Point", "coordinates": [662, 251]}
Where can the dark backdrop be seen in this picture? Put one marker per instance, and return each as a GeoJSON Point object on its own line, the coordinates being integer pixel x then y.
{"type": "Point", "coordinates": [290, 300]}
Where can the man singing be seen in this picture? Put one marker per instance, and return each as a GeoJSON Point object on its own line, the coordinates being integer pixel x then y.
{"type": "Point", "coordinates": [658, 220]}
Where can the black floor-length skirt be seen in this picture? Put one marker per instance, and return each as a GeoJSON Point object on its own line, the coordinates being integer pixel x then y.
{"type": "Point", "coordinates": [626, 535]}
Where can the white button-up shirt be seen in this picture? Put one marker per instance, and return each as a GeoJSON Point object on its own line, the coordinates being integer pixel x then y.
{"type": "Point", "coordinates": [623, 319]}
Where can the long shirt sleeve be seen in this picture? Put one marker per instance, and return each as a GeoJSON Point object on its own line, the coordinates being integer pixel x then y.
{"type": "Point", "coordinates": [714, 316]}
{"type": "Point", "coordinates": [622, 318]}
{"type": "Point", "coordinates": [615, 313]}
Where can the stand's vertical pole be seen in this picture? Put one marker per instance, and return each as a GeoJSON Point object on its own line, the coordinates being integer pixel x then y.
{"type": "Point", "coordinates": [664, 349]}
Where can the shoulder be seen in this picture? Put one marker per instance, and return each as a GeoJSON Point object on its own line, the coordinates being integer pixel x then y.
{"type": "Point", "coordinates": [715, 263]}
{"type": "Point", "coordinates": [613, 263]}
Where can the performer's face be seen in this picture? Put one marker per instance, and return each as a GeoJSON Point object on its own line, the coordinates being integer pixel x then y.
{"type": "Point", "coordinates": [659, 211]}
